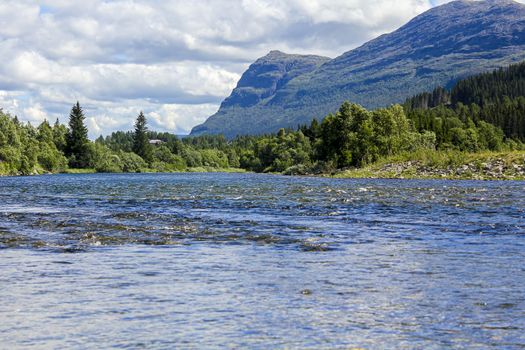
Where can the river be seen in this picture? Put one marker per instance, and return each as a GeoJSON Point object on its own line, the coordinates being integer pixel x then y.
{"type": "Point", "coordinates": [214, 261]}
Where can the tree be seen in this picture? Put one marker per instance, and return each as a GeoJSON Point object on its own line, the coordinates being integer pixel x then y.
{"type": "Point", "coordinates": [141, 144]}
{"type": "Point", "coordinates": [346, 136]}
{"type": "Point", "coordinates": [48, 156]}
{"type": "Point", "coordinates": [77, 143]}
{"type": "Point", "coordinates": [336, 136]}
{"type": "Point", "coordinates": [45, 132]}
{"type": "Point", "coordinates": [60, 136]}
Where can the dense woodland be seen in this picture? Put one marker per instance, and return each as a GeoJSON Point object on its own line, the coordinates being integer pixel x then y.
{"type": "Point", "coordinates": [485, 112]}
{"type": "Point", "coordinates": [497, 98]}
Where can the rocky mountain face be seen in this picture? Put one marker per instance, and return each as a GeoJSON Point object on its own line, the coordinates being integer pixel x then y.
{"type": "Point", "coordinates": [439, 47]}
{"type": "Point", "coordinates": [268, 75]}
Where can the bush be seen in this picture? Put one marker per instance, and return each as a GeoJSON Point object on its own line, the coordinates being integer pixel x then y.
{"type": "Point", "coordinates": [192, 157]}
{"type": "Point", "coordinates": [103, 160]}
{"type": "Point", "coordinates": [51, 159]}
{"type": "Point", "coordinates": [131, 163]}
{"type": "Point", "coordinates": [170, 161]}
{"type": "Point", "coordinates": [214, 158]}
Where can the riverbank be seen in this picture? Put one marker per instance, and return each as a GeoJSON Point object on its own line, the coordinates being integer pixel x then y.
{"type": "Point", "coordinates": [203, 169]}
{"type": "Point", "coordinates": [419, 165]}
{"type": "Point", "coordinates": [444, 165]}
{"type": "Point", "coordinates": [145, 171]}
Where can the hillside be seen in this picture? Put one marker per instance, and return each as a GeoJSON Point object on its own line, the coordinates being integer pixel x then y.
{"type": "Point", "coordinates": [437, 48]}
{"type": "Point", "coordinates": [484, 89]}
{"type": "Point", "coordinates": [266, 78]}
{"type": "Point", "coordinates": [491, 87]}
{"type": "Point", "coordinates": [496, 97]}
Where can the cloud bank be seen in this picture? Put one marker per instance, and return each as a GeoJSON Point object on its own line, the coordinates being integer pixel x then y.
{"type": "Point", "coordinates": [175, 60]}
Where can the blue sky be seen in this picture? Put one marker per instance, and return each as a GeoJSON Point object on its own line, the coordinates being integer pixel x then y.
{"type": "Point", "coordinates": [175, 60]}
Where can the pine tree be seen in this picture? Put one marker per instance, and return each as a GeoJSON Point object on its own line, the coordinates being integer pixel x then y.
{"type": "Point", "coordinates": [77, 144]}
{"type": "Point", "coordinates": [141, 144]}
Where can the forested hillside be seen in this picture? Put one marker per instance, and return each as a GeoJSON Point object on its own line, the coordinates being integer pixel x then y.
{"type": "Point", "coordinates": [496, 97]}
{"type": "Point", "coordinates": [489, 88]}
{"type": "Point", "coordinates": [446, 43]}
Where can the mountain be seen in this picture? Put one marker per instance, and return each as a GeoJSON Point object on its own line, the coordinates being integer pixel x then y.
{"type": "Point", "coordinates": [266, 78]}
{"type": "Point", "coordinates": [437, 48]}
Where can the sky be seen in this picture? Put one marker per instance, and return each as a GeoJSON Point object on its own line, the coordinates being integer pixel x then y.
{"type": "Point", "coordinates": [176, 60]}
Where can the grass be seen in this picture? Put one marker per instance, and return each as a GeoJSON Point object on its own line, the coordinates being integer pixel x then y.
{"type": "Point", "coordinates": [153, 171]}
{"type": "Point", "coordinates": [443, 165]}
{"type": "Point", "coordinates": [416, 165]}
{"type": "Point", "coordinates": [79, 171]}
{"type": "Point", "coordinates": [215, 170]}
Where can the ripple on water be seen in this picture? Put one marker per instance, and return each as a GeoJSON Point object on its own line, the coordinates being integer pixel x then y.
{"type": "Point", "coordinates": [255, 261]}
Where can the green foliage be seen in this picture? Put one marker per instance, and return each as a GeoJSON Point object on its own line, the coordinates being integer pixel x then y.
{"type": "Point", "coordinates": [77, 142]}
{"type": "Point", "coordinates": [207, 142]}
{"type": "Point", "coordinates": [60, 136]}
{"type": "Point", "coordinates": [276, 153]}
{"type": "Point", "coordinates": [192, 157]}
{"type": "Point", "coordinates": [427, 100]}
{"type": "Point", "coordinates": [141, 144]}
{"type": "Point", "coordinates": [488, 88]}
{"type": "Point", "coordinates": [234, 161]}
{"type": "Point", "coordinates": [119, 141]}
{"type": "Point", "coordinates": [355, 136]}
{"type": "Point", "coordinates": [51, 159]}
{"type": "Point", "coordinates": [497, 98]}
{"type": "Point", "coordinates": [214, 158]}
{"type": "Point", "coordinates": [26, 150]}
{"type": "Point", "coordinates": [490, 137]}
{"type": "Point", "coordinates": [103, 160]}
{"type": "Point", "coordinates": [165, 161]}
{"type": "Point", "coordinates": [170, 140]}
{"type": "Point", "coordinates": [131, 163]}
{"type": "Point", "coordinates": [456, 128]}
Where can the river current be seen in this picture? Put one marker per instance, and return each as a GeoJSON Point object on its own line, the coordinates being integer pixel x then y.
{"type": "Point", "coordinates": [214, 261]}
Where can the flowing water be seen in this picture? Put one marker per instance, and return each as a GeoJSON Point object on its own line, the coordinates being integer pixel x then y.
{"type": "Point", "coordinates": [204, 261]}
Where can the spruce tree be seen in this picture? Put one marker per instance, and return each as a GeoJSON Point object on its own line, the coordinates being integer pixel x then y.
{"type": "Point", "coordinates": [141, 144]}
{"type": "Point", "coordinates": [77, 145]}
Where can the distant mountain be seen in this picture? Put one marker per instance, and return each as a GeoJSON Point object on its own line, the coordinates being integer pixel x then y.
{"type": "Point", "coordinates": [265, 78]}
{"type": "Point", "coordinates": [437, 48]}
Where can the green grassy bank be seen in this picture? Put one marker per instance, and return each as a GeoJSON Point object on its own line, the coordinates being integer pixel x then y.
{"type": "Point", "coordinates": [444, 165]}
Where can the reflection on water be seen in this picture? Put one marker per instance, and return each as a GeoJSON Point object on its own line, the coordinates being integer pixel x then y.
{"type": "Point", "coordinates": [235, 261]}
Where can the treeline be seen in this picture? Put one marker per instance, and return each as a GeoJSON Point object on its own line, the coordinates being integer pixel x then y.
{"type": "Point", "coordinates": [496, 98]}
{"type": "Point", "coordinates": [488, 88]}
{"type": "Point", "coordinates": [352, 137]}
{"type": "Point", "coordinates": [25, 149]}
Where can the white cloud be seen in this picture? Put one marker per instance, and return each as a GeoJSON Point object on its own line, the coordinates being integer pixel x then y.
{"type": "Point", "coordinates": [175, 117]}
{"type": "Point", "coordinates": [35, 113]}
{"type": "Point", "coordinates": [176, 60]}
{"type": "Point", "coordinates": [18, 18]}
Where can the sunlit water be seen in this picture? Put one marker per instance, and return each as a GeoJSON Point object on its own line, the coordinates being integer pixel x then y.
{"type": "Point", "coordinates": [252, 261]}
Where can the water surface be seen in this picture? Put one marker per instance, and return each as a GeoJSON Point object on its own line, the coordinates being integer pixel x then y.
{"type": "Point", "coordinates": [256, 261]}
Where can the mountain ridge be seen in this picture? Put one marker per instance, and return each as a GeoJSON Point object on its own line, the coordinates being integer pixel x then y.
{"type": "Point", "coordinates": [436, 48]}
